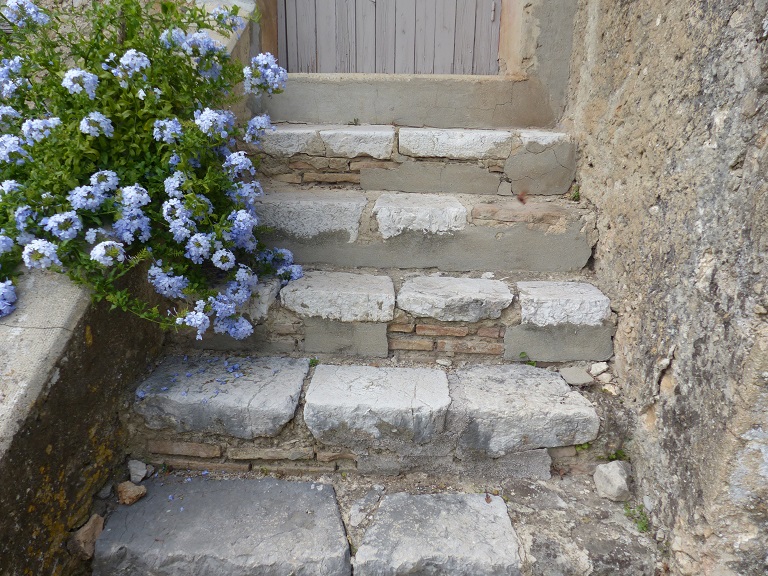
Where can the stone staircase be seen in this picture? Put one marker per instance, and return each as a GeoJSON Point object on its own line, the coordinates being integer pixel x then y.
{"type": "Point", "coordinates": [388, 415]}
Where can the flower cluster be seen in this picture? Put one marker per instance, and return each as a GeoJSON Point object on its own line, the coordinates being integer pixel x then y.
{"type": "Point", "coordinates": [10, 76]}
{"type": "Point", "coordinates": [7, 298]}
{"type": "Point", "coordinates": [23, 13]}
{"type": "Point", "coordinates": [168, 131]}
{"type": "Point", "coordinates": [264, 74]}
{"type": "Point", "coordinates": [77, 81]}
{"type": "Point", "coordinates": [36, 130]}
{"type": "Point", "coordinates": [96, 124]}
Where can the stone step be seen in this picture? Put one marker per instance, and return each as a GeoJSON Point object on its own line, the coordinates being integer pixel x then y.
{"type": "Point", "coordinates": [457, 534]}
{"type": "Point", "coordinates": [485, 419]}
{"type": "Point", "coordinates": [453, 233]}
{"type": "Point", "coordinates": [219, 528]}
{"type": "Point", "coordinates": [431, 160]}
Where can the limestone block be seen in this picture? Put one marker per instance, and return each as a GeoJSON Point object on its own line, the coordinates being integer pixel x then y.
{"type": "Point", "coordinates": [454, 299]}
{"type": "Point", "coordinates": [427, 213]}
{"type": "Point", "coordinates": [561, 343]}
{"type": "Point", "coordinates": [515, 407]}
{"type": "Point", "coordinates": [349, 338]}
{"type": "Point", "coordinates": [354, 406]}
{"type": "Point", "coordinates": [554, 303]}
{"type": "Point", "coordinates": [83, 542]}
{"type": "Point", "coordinates": [291, 139]}
{"type": "Point", "coordinates": [439, 177]}
{"type": "Point", "coordinates": [257, 397]}
{"type": "Point", "coordinates": [544, 164]}
{"type": "Point", "coordinates": [456, 143]}
{"type": "Point", "coordinates": [352, 141]}
{"type": "Point", "coordinates": [311, 213]}
{"type": "Point", "coordinates": [226, 527]}
{"type": "Point", "coordinates": [341, 296]}
{"type": "Point", "coordinates": [612, 481]}
{"type": "Point", "coordinates": [263, 297]}
{"type": "Point", "coordinates": [457, 534]}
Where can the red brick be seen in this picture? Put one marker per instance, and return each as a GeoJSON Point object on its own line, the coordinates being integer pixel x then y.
{"type": "Point", "coordinates": [432, 330]}
{"type": "Point", "coordinates": [357, 165]}
{"type": "Point", "coordinates": [490, 332]}
{"type": "Point", "coordinates": [402, 344]}
{"type": "Point", "coordinates": [470, 347]}
{"type": "Point", "coordinates": [194, 449]}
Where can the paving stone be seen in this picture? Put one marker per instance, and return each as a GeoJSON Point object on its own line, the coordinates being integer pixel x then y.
{"type": "Point", "coordinates": [427, 213]}
{"type": "Point", "coordinates": [292, 139]}
{"type": "Point", "coordinates": [554, 303]}
{"type": "Point", "coordinates": [341, 296]}
{"type": "Point", "coordinates": [456, 143]}
{"type": "Point", "coordinates": [612, 481]}
{"type": "Point", "coordinates": [576, 376]}
{"type": "Point", "coordinates": [256, 398]}
{"type": "Point", "coordinates": [226, 527]}
{"type": "Point", "coordinates": [512, 408]}
{"type": "Point", "coordinates": [457, 534]}
{"type": "Point", "coordinates": [352, 141]}
{"type": "Point", "coordinates": [561, 343]}
{"type": "Point", "coordinates": [349, 338]}
{"type": "Point", "coordinates": [454, 299]}
{"type": "Point", "coordinates": [311, 213]}
{"type": "Point", "coordinates": [354, 406]}
{"type": "Point", "coordinates": [544, 164]}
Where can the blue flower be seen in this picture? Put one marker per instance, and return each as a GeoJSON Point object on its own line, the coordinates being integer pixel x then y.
{"type": "Point", "coordinates": [172, 38]}
{"type": "Point", "coordinates": [241, 232]}
{"type": "Point", "coordinates": [131, 222]}
{"type": "Point", "coordinates": [256, 128]}
{"type": "Point", "coordinates": [40, 254]}
{"type": "Point", "coordinates": [196, 319]}
{"type": "Point", "coordinates": [65, 225]}
{"type": "Point", "coordinates": [132, 62]}
{"type": "Point", "coordinates": [11, 150]}
{"type": "Point", "coordinates": [8, 187]}
{"type": "Point", "coordinates": [104, 180]}
{"type": "Point", "coordinates": [199, 247]}
{"type": "Point", "coordinates": [228, 19]}
{"type": "Point", "coordinates": [237, 163]}
{"type": "Point", "coordinates": [166, 283]}
{"type": "Point", "coordinates": [288, 273]}
{"type": "Point", "coordinates": [169, 131]}
{"type": "Point", "coordinates": [200, 44]}
{"type": "Point", "coordinates": [215, 122]}
{"type": "Point", "coordinates": [86, 198]}
{"type": "Point", "coordinates": [6, 244]}
{"type": "Point", "coordinates": [7, 298]}
{"type": "Point", "coordinates": [264, 74]}
{"type": "Point", "coordinates": [36, 130]}
{"type": "Point", "coordinates": [22, 12]}
{"type": "Point", "coordinates": [95, 124]}
{"type": "Point", "coordinates": [173, 184]}
{"type": "Point", "coordinates": [20, 216]}
{"type": "Point", "coordinates": [105, 253]}
{"type": "Point", "coordinates": [77, 81]}
{"type": "Point", "coordinates": [134, 196]}
{"type": "Point", "coordinates": [90, 235]}
{"type": "Point", "coordinates": [7, 112]}
{"type": "Point", "coordinates": [223, 259]}
{"type": "Point", "coordinates": [10, 81]}
{"type": "Point", "coordinates": [238, 328]}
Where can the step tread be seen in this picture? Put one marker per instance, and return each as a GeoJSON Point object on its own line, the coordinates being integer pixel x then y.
{"type": "Point", "coordinates": [458, 534]}
{"type": "Point", "coordinates": [396, 212]}
{"type": "Point", "coordinates": [454, 299]}
{"type": "Point", "coordinates": [262, 526]}
{"type": "Point", "coordinates": [545, 303]}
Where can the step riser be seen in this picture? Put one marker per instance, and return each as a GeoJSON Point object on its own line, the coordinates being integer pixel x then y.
{"type": "Point", "coordinates": [445, 101]}
{"type": "Point", "coordinates": [501, 162]}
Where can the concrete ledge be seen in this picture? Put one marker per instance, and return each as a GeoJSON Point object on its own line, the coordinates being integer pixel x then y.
{"type": "Point", "coordinates": [435, 177]}
{"type": "Point", "coordinates": [349, 338]}
{"type": "Point", "coordinates": [440, 101]}
{"type": "Point", "coordinates": [561, 343]}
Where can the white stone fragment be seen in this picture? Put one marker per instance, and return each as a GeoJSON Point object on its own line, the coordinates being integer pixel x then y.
{"type": "Point", "coordinates": [353, 141]}
{"type": "Point", "coordinates": [612, 481]}
{"type": "Point", "coordinates": [454, 299]}
{"type": "Point", "coordinates": [291, 139]}
{"type": "Point", "coordinates": [350, 401]}
{"type": "Point", "coordinates": [311, 213]}
{"type": "Point", "coordinates": [598, 368]}
{"type": "Point", "coordinates": [554, 303]}
{"type": "Point", "coordinates": [341, 296]}
{"type": "Point", "coordinates": [427, 213]}
{"type": "Point", "coordinates": [456, 143]}
{"type": "Point", "coordinates": [263, 297]}
{"type": "Point", "coordinates": [544, 138]}
{"type": "Point", "coordinates": [137, 470]}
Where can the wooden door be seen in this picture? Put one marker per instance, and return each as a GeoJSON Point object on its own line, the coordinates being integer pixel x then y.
{"type": "Point", "coordinates": [389, 36]}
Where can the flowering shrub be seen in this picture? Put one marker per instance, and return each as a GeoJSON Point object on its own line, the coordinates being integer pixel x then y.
{"type": "Point", "coordinates": [116, 149]}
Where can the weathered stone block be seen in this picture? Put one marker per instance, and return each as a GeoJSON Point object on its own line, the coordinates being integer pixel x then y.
{"type": "Point", "coordinates": [545, 164]}
{"type": "Point", "coordinates": [261, 527]}
{"type": "Point", "coordinates": [263, 297]}
{"type": "Point", "coordinates": [311, 213]}
{"type": "Point", "coordinates": [456, 143]}
{"type": "Point", "coordinates": [458, 178]}
{"type": "Point", "coordinates": [341, 296]}
{"type": "Point", "coordinates": [457, 534]}
{"type": "Point", "coordinates": [554, 303]}
{"type": "Point", "coordinates": [561, 343]}
{"type": "Point", "coordinates": [194, 449]}
{"type": "Point", "coordinates": [350, 338]}
{"type": "Point", "coordinates": [332, 177]}
{"type": "Point", "coordinates": [257, 398]}
{"type": "Point", "coordinates": [292, 139]}
{"type": "Point", "coordinates": [576, 376]}
{"type": "Point", "coordinates": [255, 453]}
{"type": "Point", "coordinates": [354, 406]}
{"type": "Point", "coordinates": [514, 408]}
{"type": "Point", "coordinates": [470, 347]}
{"type": "Point", "coordinates": [545, 213]}
{"type": "Point", "coordinates": [454, 299]}
{"type": "Point", "coordinates": [428, 213]}
{"type": "Point", "coordinates": [413, 344]}
{"type": "Point", "coordinates": [612, 481]}
{"type": "Point", "coordinates": [352, 141]}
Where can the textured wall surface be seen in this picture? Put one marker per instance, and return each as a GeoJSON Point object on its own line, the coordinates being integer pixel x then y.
{"type": "Point", "coordinates": [669, 102]}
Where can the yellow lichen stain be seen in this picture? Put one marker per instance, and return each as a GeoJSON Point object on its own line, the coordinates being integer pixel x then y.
{"type": "Point", "coordinates": [88, 336]}
{"type": "Point", "coordinates": [668, 385]}
{"type": "Point", "coordinates": [49, 449]}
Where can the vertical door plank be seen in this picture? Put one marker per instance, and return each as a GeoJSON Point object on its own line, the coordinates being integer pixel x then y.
{"type": "Point", "coordinates": [385, 36]}
{"type": "Point", "coordinates": [306, 35]}
{"type": "Point", "coordinates": [365, 33]}
{"type": "Point", "coordinates": [326, 35]}
{"type": "Point", "coordinates": [486, 52]}
{"type": "Point", "coordinates": [282, 35]}
{"type": "Point", "coordinates": [405, 36]}
{"type": "Point", "coordinates": [291, 35]}
{"type": "Point", "coordinates": [345, 36]}
{"type": "Point", "coordinates": [493, 47]}
{"type": "Point", "coordinates": [424, 49]}
{"type": "Point", "coordinates": [268, 25]}
{"type": "Point", "coordinates": [465, 37]}
{"type": "Point", "coordinates": [445, 32]}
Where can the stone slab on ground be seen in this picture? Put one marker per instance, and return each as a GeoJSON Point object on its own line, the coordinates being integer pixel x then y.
{"type": "Point", "coordinates": [457, 534]}
{"type": "Point", "coordinates": [456, 143]}
{"type": "Point", "coordinates": [349, 338]}
{"type": "Point", "coordinates": [427, 213]}
{"type": "Point", "coordinates": [357, 406]}
{"type": "Point", "coordinates": [292, 139]}
{"type": "Point", "coordinates": [341, 296]}
{"type": "Point", "coordinates": [516, 407]}
{"type": "Point", "coordinates": [454, 299]}
{"type": "Point", "coordinates": [552, 303]}
{"type": "Point", "coordinates": [576, 376]}
{"type": "Point", "coordinates": [225, 527]}
{"type": "Point", "coordinates": [562, 343]}
{"type": "Point", "coordinates": [352, 141]}
{"type": "Point", "coordinates": [305, 214]}
{"type": "Point", "coordinates": [240, 397]}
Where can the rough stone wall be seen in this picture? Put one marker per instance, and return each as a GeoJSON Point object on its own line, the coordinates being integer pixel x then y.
{"type": "Point", "coordinates": [669, 103]}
